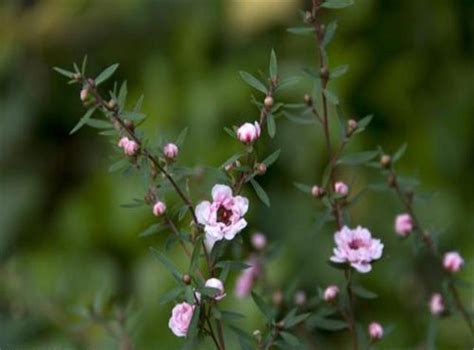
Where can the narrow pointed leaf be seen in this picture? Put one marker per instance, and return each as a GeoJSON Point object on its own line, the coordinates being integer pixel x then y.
{"type": "Point", "coordinates": [260, 192]}
{"type": "Point", "coordinates": [83, 120]}
{"type": "Point", "coordinates": [252, 81]}
{"type": "Point", "coordinates": [106, 74]}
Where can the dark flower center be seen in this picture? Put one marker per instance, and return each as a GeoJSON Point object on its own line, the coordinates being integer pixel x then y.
{"type": "Point", "coordinates": [224, 215]}
{"type": "Point", "coordinates": [356, 244]}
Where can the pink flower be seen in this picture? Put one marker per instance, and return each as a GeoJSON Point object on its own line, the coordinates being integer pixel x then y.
{"type": "Point", "coordinates": [129, 147]}
{"type": "Point", "coordinates": [317, 191]}
{"type": "Point", "coordinates": [180, 320]}
{"type": "Point", "coordinates": [248, 278]}
{"type": "Point", "coordinates": [217, 284]}
{"type": "Point", "coordinates": [331, 293]}
{"type": "Point", "coordinates": [259, 241]}
{"type": "Point", "coordinates": [223, 218]}
{"type": "Point", "coordinates": [170, 151]}
{"type": "Point", "coordinates": [403, 224]}
{"type": "Point", "coordinates": [159, 208]}
{"type": "Point", "coordinates": [356, 247]}
{"type": "Point", "coordinates": [248, 133]}
{"type": "Point", "coordinates": [453, 261]}
{"type": "Point", "coordinates": [300, 298]}
{"type": "Point", "coordinates": [375, 331]}
{"type": "Point", "coordinates": [341, 188]}
{"type": "Point", "coordinates": [436, 304]}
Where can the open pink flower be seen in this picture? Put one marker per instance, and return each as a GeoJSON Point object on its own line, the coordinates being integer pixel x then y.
{"type": "Point", "coordinates": [223, 218]}
{"type": "Point", "coordinates": [452, 261]}
{"type": "Point", "coordinates": [180, 320]}
{"type": "Point", "coordinates": [403, 224]}
{"type": "Point", "coordinates": [356, 247]}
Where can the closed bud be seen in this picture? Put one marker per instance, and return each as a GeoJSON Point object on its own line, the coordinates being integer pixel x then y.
{"type": "Point", "coordinates": [268, 102]}
{"type": "Point", "coordinates": [308, 100]}
{"type": "Point", "coordinates": [112, 104]}
{"type": "Point", "coordinates": [351, 127]}
{"type": "Point", "coordinates": [159, 208]}
{"type": "Point", "coordinates": [324, 73]}
{"type": "Point", "coordinates": [317, 191]}
{"type": "Point", "coordinates": [280, 325]}
{"type": "Point", "coordinates": [385, 161]}
{"type": "Point", "coordinates": [187, 279]}
{"type": "Point", "coordinates": [257, 335]}
{"type": "Point", "coordinates": [170, 151]}
{"type": "Point", "coordinates": [375, 331]}
{"type": "Point", "coordinates": [228, 167]}
{"type": "Point", "coordinates": [331, 293]}
{"type": "Point", "coordinates": [308, 17]}
{"type": "Point", "coordinates": [261, 168]}
{"type": "Point", "coordinates": [76, 76]}
{"type": "Point", "coordinates": [84, 94]}
{"type": "Point", "coordinates": [91, 82]}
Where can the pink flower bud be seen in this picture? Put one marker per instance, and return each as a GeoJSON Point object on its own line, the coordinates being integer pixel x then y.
{"type": "Point", "coordinates": [453, 261]}
{"type": "Point", "coordinates": [403, 225]}
{"type": "Point", "coordinates": [300, 298]}
{"type": "Point", "coordinates": [375, 331]}
{"type": "Point", "coordinates": [170, 151]}
{"type": "Point", "coordinates": [436, 304]}
{"type": "Point", "coordinates": [129, 147]}
{"type": "Point", "coordinates": [159, 208]}
{"type": "Point", "coordinates": [248, 133]}
{"type": "Point", "coordinates": [259, 241]}
{"type": "Point", "coordinates": [331, 293]}
{"type": "Point", "coordinates": [180, 320]}
{"type": "Point", "coordinates": [341, 188]}
{"type": "Point", "coordinates": [84, 93]}
{"type": "Point", "coordinates": [217, 284]}
{"type": "Point", "coordinates": [317, 191]}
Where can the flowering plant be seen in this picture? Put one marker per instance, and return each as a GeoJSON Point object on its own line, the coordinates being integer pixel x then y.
{"type": "Point", "coordinates": [208, 230]}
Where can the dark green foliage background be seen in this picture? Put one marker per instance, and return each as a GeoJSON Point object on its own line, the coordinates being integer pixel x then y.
{"type": "Point", "coordinates": [63, 235]}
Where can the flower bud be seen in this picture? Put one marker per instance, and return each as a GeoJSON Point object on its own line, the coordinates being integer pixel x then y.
{"type": "Point", "coordinates": [324, 72]}
{"type": "Point", "coordinates": [300, 298]}
{"type": "Point", "coordinates": [280, 325]}
{"type": "Point", "coordinates": [308, 17]}
{"type": "Point", "coordinates": [385, 161]}
{"type": "Point", "coordinates": [268, 102]}
{"type": "Point", "coordinates": [170, 151]}
{"type": "Point", "coordinates": [317, 191]}
{"type": "Point", "coordinates": [261, 169]}
{"type": "Point", "coordinates": [308, 100]}
{"type": "Point", "coordinates": [159, 208]}
{"type": "Point", "coordinates": [129, 147]}
{"type": "Point", "coordinates": [84, 94]}
{"type": "Point", "coordinates": [257, 335]}
{"type": "Point", "coordinates": [453, 261]}
{"type": "Point", "coordinates": [331, 293]}
{"type": "Point", "coordinates": [277, 297]}
{"type": "Point", "coordinates": [112, 104]}
{"type": "Point", "coordinates": [259, 241]}
{"type": "Point", "coordinates": [341, 188]}
{"type": "Point", "coordinates": [375, 331]}
{"type": "Point", "coordinates": [436, 304]}
{"type": "Point", "coordinates": [216, 284]}
{"type": "Point", "coordinates": [248, 133]}
{"type": "Point", "coordinates": [228, 167]}
{"type": "Point", "coordinates": [187, 279]}
{"type": "Point", "coordinates": [351, 127]}
{"type": "Point", "coordinates": [403, 225]}
{"type": "Point", "coordinates": [76, 76]}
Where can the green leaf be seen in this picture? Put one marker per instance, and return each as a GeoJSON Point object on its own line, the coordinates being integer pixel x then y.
{"type": "Point", "coordinates": [230, 132]}
{"type": "Point", "coordinates": [106, 74]}
{"type": "Point", "coordinates": [153, 229]}
{"type": "Point", "coordinates": [337, 4]}
{"type": "Point", "coordinates": [260, 192]}
{"type": "Point", "coordinates": [273, 67]}
{"type": "Point", "coordinates": [263, 307]}
{"type": "Point", "coordinates": [329, 33]}
{"type": "Point", "coordinates": [271, 126]}
{"type": "Point", "coordinates": [168, 264]}
{"type": "Point", "coordinates": [99, 124]}
{"type": "Point", "coordinates": [122, 96]}
{"type": "Point", "coordinates": [357, 158]}
{"type": "Point", "coordinates": [332, 98]}
{"type": "Point", "coordinates": [138, 104]}
{"type": "Point", "coordinates": [301, 30]}
{"type": "Point", "coordinates": [297, 119]}
{"type": "Point", "coordinates": [193, 327]}
{"type": "Point", "coordinates": [252, 81]}
{"type": "Point", "coordinates": [231, 315]}
{"type": "Point", "coordinates": [294, 320]}
{"type": "Point", "coordinates": [303, 188]}
{"type": "Point", "coordinates": [171, 295]}
{"type": "Point", "coordinates": [231, 160]}
{"type": "Point", "coordinates": [287, 82]}
{"type": "Point", "coordinates": [271, 158]}
{"type": "Point", "coordinates": [363, 292]}
{"type": "Point", "coordinates": [327, 324]}
{"type": "Point", "coordinates": [133, 116]}
{"type": "Point", "coordinates": [339, 71]}
{"type": "Point", "coordinates": [83, 120]}
{"type": "Point", "coordinates": [195, 257]}
{"type": "Point", "coordinates": [399, 153]}
{"type": "Point", "coordinates": [121, 164]}
{"type": "Point", "coordinates": [64, 72]}
{"type": "Point", "coordinates": [181, 137]}
{"type": "Point", "coordinates": [84, 65]}
{"type": "Point", "coordinates": [232, 265]}
{"type": "Point", "coordinates": [363, 123]}
{"type": "Point", "coordinates": [290, 339]}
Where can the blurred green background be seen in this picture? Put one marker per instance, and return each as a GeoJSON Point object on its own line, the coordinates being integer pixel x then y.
{"type": "Point", "coordinates": [63, 234]}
